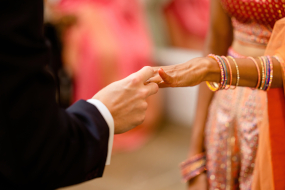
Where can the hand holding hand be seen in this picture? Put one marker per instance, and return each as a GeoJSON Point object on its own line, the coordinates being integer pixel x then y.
{"type": "Point", "coordinates": [126, 99]}
{"type": "Point", "coordinates": [191, 73]}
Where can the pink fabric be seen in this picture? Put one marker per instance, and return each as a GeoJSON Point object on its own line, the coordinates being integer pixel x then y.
{"type": "Point", "coordinates": [128, 46]}
{"type": "Point", "coordinates": [193, 15]}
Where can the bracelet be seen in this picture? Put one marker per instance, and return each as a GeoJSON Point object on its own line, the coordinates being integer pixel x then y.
{"type": "Point", "coordinates": [225, 72]}
{"type": "Point", "coordinates": [263, 73]}
{"type": "Point", "coordinates": [258, 71]}
{"type": "Point", "coordinates": [271, 72]}
{"type": "Point", "coordinates": [231, 74]}
{"type": "Point", "coordinates": [215, 86]}
{"type": "Point", "coordinates": [193, 166]}
{"type": "Point", "coordinates": [264, 82]}
{"type": "Point", "coordinates": [267, 72]}
{"type": "Point", "coordinates": [238, 77]}
{"type": "Point", "coordinates": [262, 87]}
{"type": "Point", "coordinates": [267, 78]}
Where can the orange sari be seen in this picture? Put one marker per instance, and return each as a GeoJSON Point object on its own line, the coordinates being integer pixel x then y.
{"type": "Point", "coordinates": [270, 160]}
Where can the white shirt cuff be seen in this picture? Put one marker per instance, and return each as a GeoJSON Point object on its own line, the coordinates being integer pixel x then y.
{"type": "Point", "coordinates": [110, 121]}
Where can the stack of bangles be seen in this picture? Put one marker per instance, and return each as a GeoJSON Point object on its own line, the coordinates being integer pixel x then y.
{"type": "Point", "coordinates": [265, 74]}
{"type": "Point", "coordinates": [193, 166]}
{"type": "Point", "coordinates": [196, 165]}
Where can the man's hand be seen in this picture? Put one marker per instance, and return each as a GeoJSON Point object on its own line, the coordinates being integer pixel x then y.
{"type": "Point", "coordinates": [126, 99]}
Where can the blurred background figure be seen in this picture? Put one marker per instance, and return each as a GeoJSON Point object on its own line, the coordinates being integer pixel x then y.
{"type": "Point", "coordinates": [187, 22]}
{"type": "Point", "coordinates": [108, 40]}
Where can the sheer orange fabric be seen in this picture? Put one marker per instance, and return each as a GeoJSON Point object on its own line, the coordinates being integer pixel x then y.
{"type": "Point", "coordinates": [270, 160]}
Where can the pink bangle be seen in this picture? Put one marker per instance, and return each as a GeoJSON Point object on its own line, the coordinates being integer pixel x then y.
{"type": "Point", "coordinates": [193, 167]}
{"type": "Point", "coordinates": [258, 71]}
{"type": "Point", "coordinates": [210, 85]}
{"type": "Point", "coordinates": [231, 74]}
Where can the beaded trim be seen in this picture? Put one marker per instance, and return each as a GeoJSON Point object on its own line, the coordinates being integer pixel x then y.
{"type": "Point", "coordinates": [252, 33]}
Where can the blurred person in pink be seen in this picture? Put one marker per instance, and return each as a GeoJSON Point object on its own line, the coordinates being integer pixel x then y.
{"type": "Point", "coordinates": [109, 41]}
{"type": "Point", "coordinates": [187, 22]}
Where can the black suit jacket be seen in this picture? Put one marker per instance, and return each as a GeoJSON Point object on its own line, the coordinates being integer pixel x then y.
{"type": "Point", "coordinates": [41, 145]}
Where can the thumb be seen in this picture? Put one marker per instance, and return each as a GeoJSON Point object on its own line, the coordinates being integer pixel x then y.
{"type": "Point", "coordinates": [165, 77]}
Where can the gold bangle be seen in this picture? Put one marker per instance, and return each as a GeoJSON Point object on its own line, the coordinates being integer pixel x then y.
{"type": "Point", "coordinates": [263, 74]}
{"type": "Point", "coordinates": [238, 77]}
{"type": "Point", "coordinates": [264, 66]}
{"type": "Point", "coordinates": [271, 72]}
{"type": "Point", "coordinates": [213, 86]}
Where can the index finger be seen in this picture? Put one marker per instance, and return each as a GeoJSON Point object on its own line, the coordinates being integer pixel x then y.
{"type": "Point", "coordinates": [145, 73]}
{"type": "Point", "coordinates": [152, 88]}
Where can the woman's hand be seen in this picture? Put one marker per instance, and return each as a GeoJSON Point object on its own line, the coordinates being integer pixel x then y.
{"type": "Point", "coordinates": [198, 183]}
{"type": "Point", "coordinates": [191, 73]}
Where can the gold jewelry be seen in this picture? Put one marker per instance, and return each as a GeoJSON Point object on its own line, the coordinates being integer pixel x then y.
{"type": "Point", "coordinates": [238, 77]}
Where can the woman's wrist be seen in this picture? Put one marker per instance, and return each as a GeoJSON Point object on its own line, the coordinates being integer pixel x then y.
{"type": "Point", "coordinates": [213, 72]}
{"type": "Point", "coordinates": [193, 166]}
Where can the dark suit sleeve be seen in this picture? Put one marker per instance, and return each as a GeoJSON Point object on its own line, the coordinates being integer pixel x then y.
{"type": "Point", "coordinates": [43, 146]}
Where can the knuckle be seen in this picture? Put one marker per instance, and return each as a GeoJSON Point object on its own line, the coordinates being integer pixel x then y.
{"type": "Point", "coordinates": [153, 89]}
{"type": "Point", "coordinates": [143, 93]}
{"type": "Point", "coordinates": [149, 69]}
{"type": "Point", "coordinates": [144, 105]}
{"type": "Point", "coordinates": [141, 119]}
{"type": "Point", "coordinates": [156, 87]}
{"type": "Point", "coordinates": [135, 80]}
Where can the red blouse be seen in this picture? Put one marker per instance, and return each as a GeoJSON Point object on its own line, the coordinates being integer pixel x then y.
{"type": "Point", "coordinates": [265, 12]}
{"type": "Point", "coordinates": [253, 20]}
